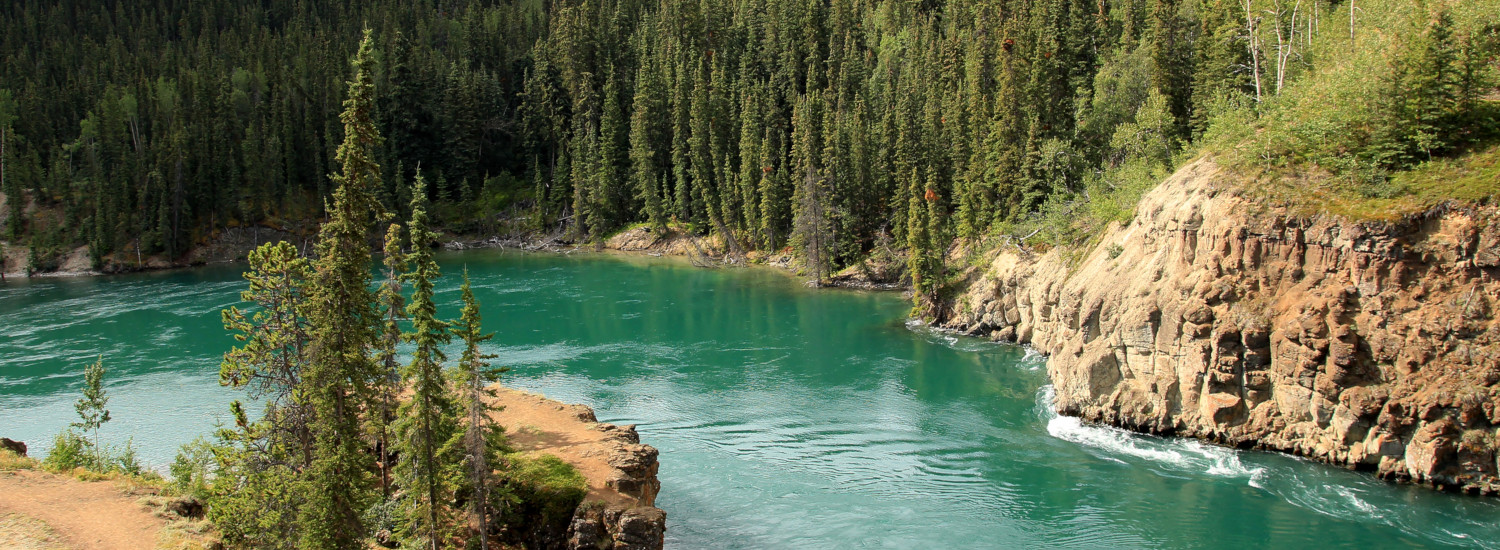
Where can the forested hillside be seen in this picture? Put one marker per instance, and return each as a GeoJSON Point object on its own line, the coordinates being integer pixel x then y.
{"type": "Point", "coordinates": [831, 127]}
{"type": "Point", "coordinates": [153, 124]}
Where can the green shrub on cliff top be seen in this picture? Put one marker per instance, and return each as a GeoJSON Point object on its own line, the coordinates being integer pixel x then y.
{"type": "Point", "coordinates": [1406, 90]}
{"type": "Point", "coordinates": [542, 492]}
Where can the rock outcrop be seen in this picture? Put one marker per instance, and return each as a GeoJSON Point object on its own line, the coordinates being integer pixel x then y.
{"type": "Point", "coordinates": [1371, 346]}
{"type": "Point", "coordinates": [632, 523]}
{"type": "Point", "coordinates": [619, 511]}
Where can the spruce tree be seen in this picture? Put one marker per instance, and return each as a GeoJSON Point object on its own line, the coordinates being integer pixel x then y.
{"type": "Point", "coordinates": [341, 311]}
{"type": "Point", "coordinates": [392, 305]}
{"type": "Point", "coordinates": [682, 183]}
{"type": "Point", "coordinates": [262, 463]}
{"type": "Point", "coordinates": [271, 357]}
{"type": "Point", "coordinates": [643, 167]}
{"type": "Point", "coordinates": [923, 242]}
{"type": "Point", "coordinates": [91, 412]}
{"type": "Point", "coordinates": [811, 227]}
{"type": "Point", "coordinates": [9, 186]}
{"type": "Point", "coordinates": [609, 196]}
{"type": "Point", "coordinates": [408, 112]}
{"type": "Point", "coordinates": [481, 434]}
{"type": "Point", "coordinates": [427, 421]}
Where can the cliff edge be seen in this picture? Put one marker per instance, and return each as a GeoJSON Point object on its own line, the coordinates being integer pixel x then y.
{"type": "Point", "coordinates": [620, 510]}
{"type": "Point", "coordinates": [1209, 315]}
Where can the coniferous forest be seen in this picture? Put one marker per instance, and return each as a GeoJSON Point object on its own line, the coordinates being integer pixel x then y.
{"type": "Point", "coordinates": [834, 128]}
{"type": "Point", "coordinates": [835, 131]}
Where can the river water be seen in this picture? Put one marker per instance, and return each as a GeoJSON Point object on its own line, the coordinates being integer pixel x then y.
{"type": "Point", "coordinates": [786, 417]}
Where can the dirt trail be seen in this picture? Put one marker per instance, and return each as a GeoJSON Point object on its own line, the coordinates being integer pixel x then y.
{"type": "Point", "coordinates": [92, 515]}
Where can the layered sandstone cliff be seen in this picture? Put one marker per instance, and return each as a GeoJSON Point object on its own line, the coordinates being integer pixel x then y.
{"type": "Point", "coordinates": [1212, 316]}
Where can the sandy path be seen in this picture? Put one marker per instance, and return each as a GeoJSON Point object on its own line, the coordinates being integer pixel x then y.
{"type": "Point", "coordinates": [537, 424]}
{"type": "Point", "coordinates": [93, 515]}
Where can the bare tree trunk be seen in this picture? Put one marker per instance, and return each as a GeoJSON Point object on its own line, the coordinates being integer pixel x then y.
{"type": "Point", "coordinates": [1285, 44]}
{"type": "Point", "coordinates": [481, 468]}
{"type": "Point", "coordinates": [1250, 28]}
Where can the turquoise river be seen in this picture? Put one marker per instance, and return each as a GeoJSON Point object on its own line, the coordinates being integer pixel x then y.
{"type": "Point", "coordinates": [786, 417]}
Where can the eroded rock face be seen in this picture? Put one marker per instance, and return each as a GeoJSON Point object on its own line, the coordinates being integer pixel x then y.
{"type": "Point", "coordinates": [635, 523]}
{"type": "Point", "coordinates": [634, 465]}
{"type": "Point", "coordinates": [635, 528]}
{"type": "Point", "coordinates": [1214, 317]}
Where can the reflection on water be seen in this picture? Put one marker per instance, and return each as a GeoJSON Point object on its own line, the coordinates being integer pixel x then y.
{"type": "Point", "coordinates": [787, 418]}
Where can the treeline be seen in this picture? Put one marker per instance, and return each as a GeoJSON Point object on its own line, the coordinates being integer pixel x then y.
{"type": "Point", "coordinates": [836, 128]}
{"type": "Point", "coordinates": [1375, 103]}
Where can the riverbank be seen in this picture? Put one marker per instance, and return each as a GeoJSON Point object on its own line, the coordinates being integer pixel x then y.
{"type": "Point", "coordinates": [234, 245]}
{"type": "Point", "coordinates": [225, 246]}
{"type": "Point", "coordinates": [879, 273]}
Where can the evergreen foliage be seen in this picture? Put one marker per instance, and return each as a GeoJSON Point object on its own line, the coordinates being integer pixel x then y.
{"type": "Point", "coordinates": [344, 327]}
{"type": "Point", "coordinates": [388, 384]}
{"type": "Point", "coordinates": [482, 437]}
{"type": "Point", "coordinates": [73, 450]}
{"type": "Point", "coordinates": [91, 412]}
{"type": "Point", "coordinates": [1402, 88]}
{"type": "Point", "coordinates": [427, 423]}
{"type": "Point", "coordinates": [271, 359]}
{"type": "Point", "coordinates": [766, 122]}
{"type": "Point", "coordinates": [321, 349]}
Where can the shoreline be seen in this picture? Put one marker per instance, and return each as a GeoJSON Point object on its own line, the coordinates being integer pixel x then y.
{"type": "Point", "coordinates": [704, 252]}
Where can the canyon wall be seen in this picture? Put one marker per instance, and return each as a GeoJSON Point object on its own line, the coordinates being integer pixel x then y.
{"type": "Point", "coordinates": [1212, 316]}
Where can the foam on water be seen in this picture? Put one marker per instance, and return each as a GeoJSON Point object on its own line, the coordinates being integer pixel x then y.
{"type": "Point", "coordinates": [1330, 492]}
{"type": "Point", "coordinates": [1185, 455]}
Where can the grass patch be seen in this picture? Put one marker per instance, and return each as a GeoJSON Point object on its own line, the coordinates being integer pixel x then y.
{"type": "Point", "coordinates": [546, 485]}
{"type": "Point", "coordinates": [188, 534]}
{"type": "Point", "coordinates": [1472, 179]}
{"type": "Point", "coordinates": [10, 461]}
{"type": "Point", "coordinates": [542, 492]}
{"type": "Point", "coordinates": [27, 533]}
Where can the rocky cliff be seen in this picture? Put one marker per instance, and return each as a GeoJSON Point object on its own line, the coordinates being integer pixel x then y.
{"type": "Point", "coordinates": [1212, 316]}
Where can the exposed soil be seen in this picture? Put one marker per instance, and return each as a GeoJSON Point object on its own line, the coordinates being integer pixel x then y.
{"type": "Point", "coordinates": [41, 510]}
